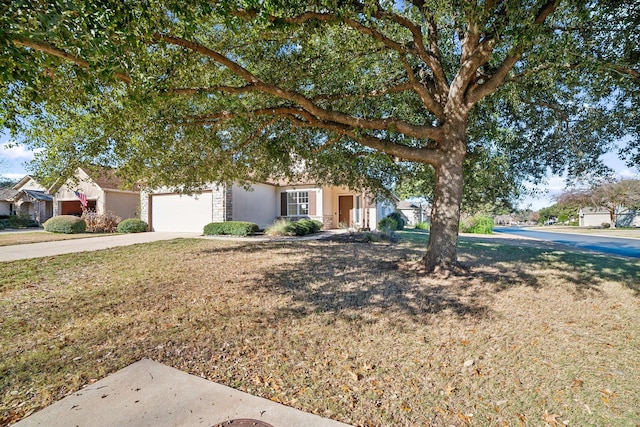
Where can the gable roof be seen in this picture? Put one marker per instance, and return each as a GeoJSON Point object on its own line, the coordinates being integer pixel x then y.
{"type": "Point", "coordinates": [105, 177]}
{"type": "Point", "coordinates": [8, 194]}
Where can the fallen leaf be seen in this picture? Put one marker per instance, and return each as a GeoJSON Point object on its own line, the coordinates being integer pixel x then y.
{"type": "Point", "coordinates": [551, 418]}
{"type": "Point", "coordinates": [577, 384]}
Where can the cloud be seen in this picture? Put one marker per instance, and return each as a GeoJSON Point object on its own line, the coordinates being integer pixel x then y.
{"type": "Point", "coordinates": [13, 176]}
{"type": "Point", "coordinates": [15, 152]}
{"type": "Point", "coordinates": [628, 174]}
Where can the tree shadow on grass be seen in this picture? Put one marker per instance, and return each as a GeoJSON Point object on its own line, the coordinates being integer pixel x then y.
{"type": "Point", "coordinates": [353, 279]}
{"type": "Point", "coordinates": [521, 262]}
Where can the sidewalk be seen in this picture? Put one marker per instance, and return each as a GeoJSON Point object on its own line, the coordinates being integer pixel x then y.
{"type": "Point", "coordinates": [149, 394]}
{"type": "Point", "coordinates": [37, 250]}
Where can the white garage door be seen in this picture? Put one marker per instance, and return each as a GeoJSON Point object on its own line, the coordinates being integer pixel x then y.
{"type": "Point", "coordinates": [178, 212]}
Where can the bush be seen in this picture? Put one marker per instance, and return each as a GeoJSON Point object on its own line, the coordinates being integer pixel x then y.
{"type": "Point", "coordinates": [234, 228]}
{"type": "Point", "coordinates": [393, 221]}
{"type": "Point", "coordinates": [294, 228]}
{"type": "Point", "coordinates": [101, 223]}
{"type": "Point", "coordinates": [477, 225]}
{"type": "Point", "coordinates": [18, 221]}
{"type": "Point", "coordinates": [422, 226]}
{"type": "Point", "coordinates": [387, 225]}
{"type": "Point", "coordinates": [132, 225]}
{"type": "Point", "coordinates": [67, 224]}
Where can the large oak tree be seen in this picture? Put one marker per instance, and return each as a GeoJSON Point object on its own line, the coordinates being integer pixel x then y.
{"type": "Point", "coordinates": [181, 93]}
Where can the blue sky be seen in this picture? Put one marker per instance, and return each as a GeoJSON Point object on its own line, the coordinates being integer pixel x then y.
{"type": "Point", "coordinates": [12, 165]}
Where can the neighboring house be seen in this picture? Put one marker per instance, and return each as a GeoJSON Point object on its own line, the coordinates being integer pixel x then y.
{"type": "Point", "coordinates": [27, 198]}
{"type": "Point", "coordinates": [7, 201]}
{"type": "Point", "coordinates": [596, 217]}
{"type": "Point", "coordinates": [263, 204]}
{"type": "Point", "coordinates": [102, 188]}
{"type": "Point", "coordinates": [414, 212]}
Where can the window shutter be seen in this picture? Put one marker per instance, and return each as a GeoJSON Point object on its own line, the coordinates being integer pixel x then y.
{"type": "Point", "coordinates": [312, 203]}
{"type": "Point", "coordinates": [283, 204]}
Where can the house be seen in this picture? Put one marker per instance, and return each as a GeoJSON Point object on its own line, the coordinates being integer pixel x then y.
{"type": "Point", "coordinates": [7, 197]}
{"type": "Point", "coordinates": [596, 217]}
{"type": "Point", "coordinates": [27, 198]}
{"type": "Point", "coordinates": [103, 190]}
{"type": "Point", "coordinates": [414, 212]}
{"type": "Point", "coordinates": [263, 204]}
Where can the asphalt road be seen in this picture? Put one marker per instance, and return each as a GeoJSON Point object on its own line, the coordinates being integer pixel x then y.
{"type": "Point", "coordinates": [606, 244]}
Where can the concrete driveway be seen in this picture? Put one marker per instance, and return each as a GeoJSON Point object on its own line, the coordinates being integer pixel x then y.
{"type": "Point", "coordinates": [38, 250]}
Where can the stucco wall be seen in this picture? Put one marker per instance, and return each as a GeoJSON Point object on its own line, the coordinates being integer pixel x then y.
{"type": "Point", "coordinates": [4, 208]}
{"type": "Point", "coordinates": [122, 203]}
{"type": "Point", "coordinates": [31, 184]}
{"type": "Point", "coordinates": [257, 206]}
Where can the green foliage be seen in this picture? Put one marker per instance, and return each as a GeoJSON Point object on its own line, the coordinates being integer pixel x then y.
{"type": "Point", "coordinates": [479, 224]}
{"type": "Point", "coordinates": [387, 225]}
{"type": "Point", "coordinates": [393, 221]}
{"type": "Point", "coordinates": [557, 211]}
{"type": "Point", "coordinates": [67, 224]}
{"type": "Point", "coordinates": [132, 225]}
{"type": "Point", "coordinates": [422, 225]}
{"type": "Point", "coordinates": [233, 228]}
{"type": "Point", "coordinates": [492, 182]}
{"type": "Point", "coordinates": [294, 228]}
{"type": "Point", "coordinates": [19, 221]}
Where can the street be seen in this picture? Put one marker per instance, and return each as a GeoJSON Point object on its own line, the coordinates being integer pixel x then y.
{"type": "Point", "coordinates": [612, 245]}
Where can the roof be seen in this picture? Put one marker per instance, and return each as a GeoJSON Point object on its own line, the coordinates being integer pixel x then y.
{"type": "Point", "coordinates": [39, 195]}
{"type": "Point", "coordinates": [8, 193]}
{"type": "Point", "coordinates": [403, 204]}
{"type": "Point", "coordinates": [23, 181]}
{"type": "Point", "coordinates": [105, 177]}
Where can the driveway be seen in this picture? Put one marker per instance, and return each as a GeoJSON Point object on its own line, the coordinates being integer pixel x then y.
{"type": "Point", "coordinates": [612, 245]}
{"type": "Point", "coordinates": [38, 250]}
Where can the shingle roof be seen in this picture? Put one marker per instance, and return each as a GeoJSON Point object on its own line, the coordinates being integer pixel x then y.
{"type": "Point", "coordinates": [8, 193]}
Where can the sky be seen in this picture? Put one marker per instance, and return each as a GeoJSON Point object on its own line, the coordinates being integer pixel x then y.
{"type": "Point", "coordinates": [12, 165]}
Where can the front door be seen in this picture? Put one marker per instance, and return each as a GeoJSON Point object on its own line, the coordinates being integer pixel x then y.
{"type": "Point", "coordinates": [345, 208]}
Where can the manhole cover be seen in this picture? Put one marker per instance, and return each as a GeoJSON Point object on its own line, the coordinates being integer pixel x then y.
{"type": "Point", "coordinates": [243, 422]}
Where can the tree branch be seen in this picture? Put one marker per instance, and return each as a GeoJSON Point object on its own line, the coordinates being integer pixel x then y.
{"type": "Point", "coordinates": [413, 131]}
{"type": "Point", "coordinates": [59, 53]}
{"type": "Point", "coordinates": [477, 92]}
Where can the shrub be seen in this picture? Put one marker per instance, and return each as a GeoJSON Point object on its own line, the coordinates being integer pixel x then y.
{"type": "Point", "coordinates": [477, 225]}
{"type": "Point", "coordinates": [132, 225]}
{"type": "Point", "coordinates": [397, 220]}
{"type": "Point", "coordinates": [19, 221]}
{"type": "Point", "coordinates": [387, 224]}
{"type": "Point", "coordinates": [234, 228]}
{"type": "Point", "coordinates": [67, 224]}
{"type": "Point", "coordinates": [101, 223]}
{"type": "Point", "coordinates": [422, 225]}
{"type": "Point", "coordinates": [294, 228]}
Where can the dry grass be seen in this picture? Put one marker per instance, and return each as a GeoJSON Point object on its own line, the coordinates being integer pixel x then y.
{"type": "Point", "coordinates": [10, 239]}
{"type": "Point", "coordinates": [532, 335]}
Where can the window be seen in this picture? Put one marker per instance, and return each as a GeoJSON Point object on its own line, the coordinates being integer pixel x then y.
{"type": "Point", "coordinates": [297, 203]}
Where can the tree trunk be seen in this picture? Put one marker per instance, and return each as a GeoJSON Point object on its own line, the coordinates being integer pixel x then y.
{"type": "Point", "coordinates": [612, 217]}
{"type": "Point", "coordinates": [442, 250]}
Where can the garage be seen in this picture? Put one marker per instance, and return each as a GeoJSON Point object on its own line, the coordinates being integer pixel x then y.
{"type": "Point", "coordinates": [180, 212]}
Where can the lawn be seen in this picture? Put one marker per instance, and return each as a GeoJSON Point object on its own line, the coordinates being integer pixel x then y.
{"type": "Point", "coordinates": [9, 239]}
{"type": "Point", "coordinates": [530, 335]}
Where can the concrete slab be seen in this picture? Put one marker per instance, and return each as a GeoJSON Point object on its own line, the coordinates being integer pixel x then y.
{"type": "Point", "coordinates": [38, 250]}
{"type": "Point", "coordinates": [148, 393]}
